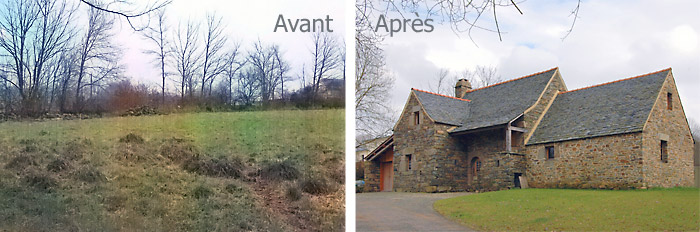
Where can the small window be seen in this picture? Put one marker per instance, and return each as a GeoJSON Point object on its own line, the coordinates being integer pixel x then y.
{"type": "Point", "coordinates": [669, 101]}
{"type": "Point", "coordinates": [550, 152]}
{"type": "Point", "coordinates": [498, 163]}
{"type": "Point", "coordinates": [664, 151]}
{"type": "Point", "coordinates": [408, 162]}
{"type": "Point", "coordinates": [416, 118]}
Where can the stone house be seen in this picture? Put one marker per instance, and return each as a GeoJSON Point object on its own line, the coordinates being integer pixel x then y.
{"type": "Point", "coordinates": [531, 130]}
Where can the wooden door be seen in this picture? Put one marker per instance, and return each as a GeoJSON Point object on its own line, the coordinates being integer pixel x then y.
{"type": "Point", "coordinates": [386, 174]}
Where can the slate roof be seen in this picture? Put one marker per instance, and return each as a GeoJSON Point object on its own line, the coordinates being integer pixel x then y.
{"type": "Point", "coordinates": [499, 104]}
{"type": "Point", "coordinates": [443, 109]}
{"type": "Point", "coordinates": [607, 109]}
{"type": "Point", "coordinates": [488, 106]}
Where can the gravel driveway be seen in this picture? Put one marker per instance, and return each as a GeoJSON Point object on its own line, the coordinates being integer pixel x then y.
{"type": "Point", "coordinates": [389, 211]}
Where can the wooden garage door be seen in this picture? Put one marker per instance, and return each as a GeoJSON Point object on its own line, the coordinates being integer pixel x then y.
{"type": "Point", "coordinates": [386, 174]}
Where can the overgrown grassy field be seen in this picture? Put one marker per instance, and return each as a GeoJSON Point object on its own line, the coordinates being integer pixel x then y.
{"type": "Point", "coordinates": [676, 209]}
{"type": "Point", "coordinates": [266, 170]}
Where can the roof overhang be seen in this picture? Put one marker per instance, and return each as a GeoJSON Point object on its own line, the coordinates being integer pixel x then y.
{"type": "Point", "coordinates": [388, 143]}
{"type": "Point", "coordinates": [476, 130]}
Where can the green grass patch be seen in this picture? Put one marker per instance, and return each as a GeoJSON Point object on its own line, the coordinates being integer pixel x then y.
{"type": "Point", "coordinates": [577, 210]}
{"type": "Point", "coordinates": [179, 172]}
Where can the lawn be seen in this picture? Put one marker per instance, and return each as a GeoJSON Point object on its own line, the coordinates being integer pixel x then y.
{"type": "Point", "coordinates": [264, 170]}
{"type": "Point", "coordinates": [674, 209]}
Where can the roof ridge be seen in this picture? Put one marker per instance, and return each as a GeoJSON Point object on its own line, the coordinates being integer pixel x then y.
{"type": "Point", "coordinates": [519, 78]}
{"type": "Point", "coordinates": [442, 95]}
{"type": "Point", "coordinates": [620, 80]}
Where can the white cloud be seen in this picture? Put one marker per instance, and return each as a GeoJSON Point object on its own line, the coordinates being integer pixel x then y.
{"type": "Point", "coordinates": [684, 39]}
{"type": "Point", "coordinates": [611, 40]}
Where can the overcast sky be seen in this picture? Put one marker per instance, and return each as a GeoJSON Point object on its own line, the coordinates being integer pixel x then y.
{"type": "Point", "coordinates": [611, 40]}
{"type": "Point", "coordinates": [245, 21]}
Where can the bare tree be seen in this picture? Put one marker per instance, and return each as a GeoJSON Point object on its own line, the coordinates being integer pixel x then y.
{"type": "Point", "coordinates": [213, 62]}
{"type": "Point", "coordinates": [372, 88]}
{"type": "Point", "coordinates": [441, 84]}
{"type": "Point", "coordinates": [233, 64]}
{"type": "Point", "coordinates": [282, 69]}
{"type": "Point", "coordinates": [186, 56]}
{"type": "Point", "coordinates": [248, 87]}
{"type": "Point", "coordinates": [481, 76]}
{"type": "Point", "coordinates": [488, 75]}
{"type": "Point", "coordinates": [98, 57]}
{"type": "Point", "coordinates": [326, 55]}
{"type": "Point", "coordinates": [262, 59]}
{"type": "Point", "coordinates": [129, 10]}
{"type": "Point", "coordinates": [32, 34]}
{"type": "Point", "coordinates": [462, 16]}
{"type": "Point", "coordinates": [158, 35]}
{"type": "Point", "coordinates": [695, 129]}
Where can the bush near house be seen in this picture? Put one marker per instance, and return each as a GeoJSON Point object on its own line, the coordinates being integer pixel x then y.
{"type": "Point", "coordinates": [675, 209]}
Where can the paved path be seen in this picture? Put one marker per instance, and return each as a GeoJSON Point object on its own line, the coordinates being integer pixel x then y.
{"type": "Point", "coordinates": [388, 211]}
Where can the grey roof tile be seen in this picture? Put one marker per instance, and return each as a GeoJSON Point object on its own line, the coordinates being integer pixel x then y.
{"type": "Point", "coordinates": [443, 109]}
{"type": "Point", "coordinates": [489, 106]}
{"type": "Point", "coordinates": [501, 103]}
{"type": "Point", "coordinates": [612, 108]}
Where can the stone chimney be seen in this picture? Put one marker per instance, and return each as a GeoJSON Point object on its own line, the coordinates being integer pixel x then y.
{"type": "Point", "coordinates": [462, 87]}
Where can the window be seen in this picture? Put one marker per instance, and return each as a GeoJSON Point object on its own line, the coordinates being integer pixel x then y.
{"type": "Point", "coordinates": [475, 168]}
{"type": "Point", "coordinates": [408, 162]}
{"type": "Point", "coordinates": [550, 152]}
{"type": "Point", "coordinates": [664, 151]}
{"type": "Point", "coordinates": [669, 101]}
{"type": "Point", "coordinates": [498, 163]}
{"type": "Point", "coordinates": [416, 118]}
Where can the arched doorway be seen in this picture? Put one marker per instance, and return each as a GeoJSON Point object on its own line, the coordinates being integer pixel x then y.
{"type": "Point", "coordinates": [474, 168]}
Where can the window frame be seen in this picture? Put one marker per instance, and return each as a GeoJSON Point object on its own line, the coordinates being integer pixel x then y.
{"type": "Point", "coordinates": [549, 152]}
{"type": "Point", "coordinates": [416, 118]}
{"type": "Point", "coordinates": [409, 158]}
{"type": "Point", "coordinates": [664, 151]}
{"type": "Point", "coordinates": [669, 101]}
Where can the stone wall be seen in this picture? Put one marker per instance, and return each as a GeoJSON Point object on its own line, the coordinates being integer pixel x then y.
{"type": "Point", "coordinates": [671, 126]}
{"type": "Point", "coordinates": [440, 162]}
{"type": "Point", "coordinates": [601, 162]}
{"type": "Point", "coordinates": [697, 163]}
{"type": "Point", "coordinates": [437, 161]}
{"type": "Point", "coordinates": [371, 176]}
{"type": "Point", "coordinates": [497, 166]}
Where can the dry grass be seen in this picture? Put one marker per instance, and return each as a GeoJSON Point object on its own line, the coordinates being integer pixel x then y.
{"type": "Point", "coordinates": [180, 172]}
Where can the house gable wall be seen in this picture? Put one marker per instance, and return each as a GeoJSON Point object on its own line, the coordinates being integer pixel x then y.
{"type": "Point", "coordinates": [438, 163]}
{"type": "Point", "coordinates": [672, 126]}
{"type": "Point", "coordinates": [535, 113]}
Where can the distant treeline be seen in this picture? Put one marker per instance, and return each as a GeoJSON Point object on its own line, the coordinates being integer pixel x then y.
{"type": "Point", "coordinates": [56, 58]}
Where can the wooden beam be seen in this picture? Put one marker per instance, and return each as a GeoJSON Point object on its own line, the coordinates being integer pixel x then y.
{"type": "Point", "coordinates": [509, 133]}
{"type": "Point", "coordinates": [518, 129]}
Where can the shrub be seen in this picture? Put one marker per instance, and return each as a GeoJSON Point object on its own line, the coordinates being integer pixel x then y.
{"type": "Point", "coordinates": [21, 161]}
{"type": "Point", "coordinates": [40, 180]}
{"type": "Point", "coordinates": [315, 185]}
{"type": "Point", "coordinates": [201, 192]}
{"type": "Point", "coordinates": [284, 170]}
{"type": "Point", "coordinates": [293, 193]}
{"type": "Point", "coordinates": [233, 188]}
{"type": "Point", "coordinates": [179, 150]}
{"type": "Point", "coordinates": [88, 174]}
{"type": "Point", "coordinates": [58, 164]}
{"type": "Point", "coordinates": [131, 138]}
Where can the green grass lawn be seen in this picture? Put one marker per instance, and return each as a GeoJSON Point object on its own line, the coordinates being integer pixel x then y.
{"type": "Point", "coordinates": [193, 171]}
{"type": "Point", "coordinates": [675, 209]}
